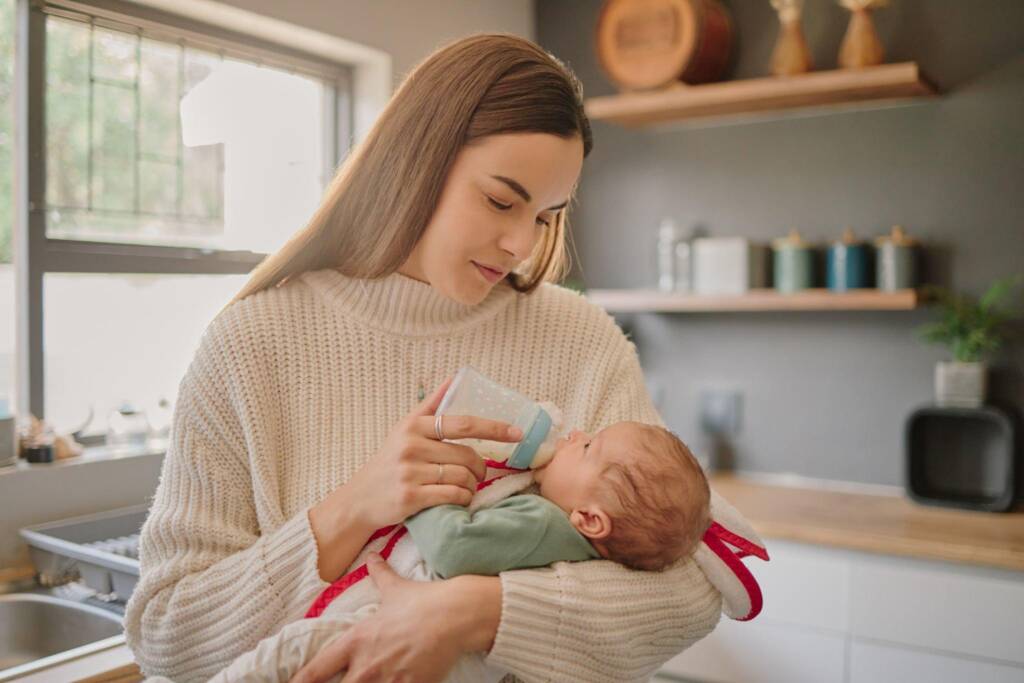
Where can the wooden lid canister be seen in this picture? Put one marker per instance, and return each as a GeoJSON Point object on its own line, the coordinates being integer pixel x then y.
{"type": "Point", "coordinates": [649, 44]}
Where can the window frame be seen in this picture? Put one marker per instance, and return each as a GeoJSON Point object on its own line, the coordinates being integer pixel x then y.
{"type": "Point", "coordinates": [35, 254]}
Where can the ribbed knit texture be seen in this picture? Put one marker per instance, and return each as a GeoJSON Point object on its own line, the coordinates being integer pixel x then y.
{"type": "Point", "coordinates": [289, 394]}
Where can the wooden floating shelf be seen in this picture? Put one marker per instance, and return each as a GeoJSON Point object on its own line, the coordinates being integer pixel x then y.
{"type": "Point", "coordinates": [759, 95]}
{"type": "Point", "coordinates": [629, 300]}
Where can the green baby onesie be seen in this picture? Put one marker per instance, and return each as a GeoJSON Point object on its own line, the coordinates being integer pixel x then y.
{"type": "Point", "coordinates": [520, 532]}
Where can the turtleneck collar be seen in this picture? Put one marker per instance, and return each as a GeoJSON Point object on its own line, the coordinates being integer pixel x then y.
{"type": "Point", "coordinates": [402, 305]}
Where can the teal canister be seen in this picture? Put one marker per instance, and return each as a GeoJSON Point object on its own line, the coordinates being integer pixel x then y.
{"type": "Point", "coordinates": [896, 261]}
{"type": "Point", "coordinates": [793, 263]}
{"type": "Point", "coordinates": [848, 264]}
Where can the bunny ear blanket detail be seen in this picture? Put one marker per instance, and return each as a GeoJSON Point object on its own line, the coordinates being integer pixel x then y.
{"type": "Point", "coordinates": [719, 555]}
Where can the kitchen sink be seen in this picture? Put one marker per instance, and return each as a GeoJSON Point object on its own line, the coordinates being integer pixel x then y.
{"type": "Point", "coordinates": [38, 631]}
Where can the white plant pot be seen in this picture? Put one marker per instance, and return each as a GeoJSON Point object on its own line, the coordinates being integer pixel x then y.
{"type": "Point", "coordinates": [961, 385]}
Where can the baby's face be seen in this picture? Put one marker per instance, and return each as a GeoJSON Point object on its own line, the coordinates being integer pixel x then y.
{"type": "Point", "coordinates": [573, 474]}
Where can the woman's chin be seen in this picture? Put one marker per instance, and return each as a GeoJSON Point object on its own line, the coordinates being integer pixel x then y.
{"type": "Point", "coordinates": [469, 294]}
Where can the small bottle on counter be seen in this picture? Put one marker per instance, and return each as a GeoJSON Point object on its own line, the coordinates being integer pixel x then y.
{"type": "Point", "coordinates": [127, 427]}
{"type": "Point", "coordinates": [684, 266]}
{"type": "Point", "coordinates": [669, 237]}
{"type": "Point", "coordinates": [160, 418]}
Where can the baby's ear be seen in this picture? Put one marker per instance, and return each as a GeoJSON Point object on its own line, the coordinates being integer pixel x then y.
{"type": "Point", "coordinates": [591, 521]}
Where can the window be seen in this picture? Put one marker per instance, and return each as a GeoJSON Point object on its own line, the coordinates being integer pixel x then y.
{"type": "Point", "coordinates": [6, 211]}
{"type": "Point", "coordinates": [171, 159]}
{"type": "Point", "coordinates": [154, 322]}
{"type": "Point", "coordinates": [158, 142]}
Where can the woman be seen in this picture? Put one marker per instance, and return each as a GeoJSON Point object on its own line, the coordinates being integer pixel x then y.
{"type": "Point", "coordinates": [302, 424]}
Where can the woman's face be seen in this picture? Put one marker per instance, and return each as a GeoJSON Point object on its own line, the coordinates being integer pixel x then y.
{"type": "Point", "coordinates": [500, 196]}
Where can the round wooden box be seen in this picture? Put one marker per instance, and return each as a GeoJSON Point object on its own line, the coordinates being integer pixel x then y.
{"type": "Point", "coordinates": [650, 44]}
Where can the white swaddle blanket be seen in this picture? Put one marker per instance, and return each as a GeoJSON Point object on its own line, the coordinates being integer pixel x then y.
{"type": "Point", "coordinates": [279, 657]}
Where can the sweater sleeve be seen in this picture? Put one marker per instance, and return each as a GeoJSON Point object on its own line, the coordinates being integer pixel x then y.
{"type": "Point", "coordinates": [215, 578]}
{"type": "Point", "coordinates": [598, 621]}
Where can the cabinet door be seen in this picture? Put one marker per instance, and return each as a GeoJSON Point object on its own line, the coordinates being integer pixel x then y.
{"type": "Point", "coordinates": [749, 652]}
{"type": "Point", "coordinates": [804, 586]}
{"type": "Point", "coordinates": [962, 610]}
{"type": "Point", "coordinates": [877, 663]}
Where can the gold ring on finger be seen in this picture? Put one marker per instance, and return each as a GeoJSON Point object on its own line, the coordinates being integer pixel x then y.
{"type": "Point", "coordinates": [440, 473]}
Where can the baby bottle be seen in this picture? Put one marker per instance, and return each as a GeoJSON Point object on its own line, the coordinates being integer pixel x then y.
{"type": "Point", "coordinates": [471, 393]}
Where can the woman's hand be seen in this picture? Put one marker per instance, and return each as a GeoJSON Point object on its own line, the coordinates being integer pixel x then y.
{"type": "Point", "coordinates": [412, 470]}
{"type": "Point", "coordinates": [417, 634]}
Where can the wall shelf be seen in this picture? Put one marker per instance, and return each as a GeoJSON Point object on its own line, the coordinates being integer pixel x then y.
{"type": "Point", "coordinates": [630, 300]}
{"type": "Point", "coordinates": [833, 89]}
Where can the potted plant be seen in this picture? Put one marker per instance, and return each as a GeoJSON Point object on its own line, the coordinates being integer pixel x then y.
{"type": "Point", "coordinates": [973, 329]}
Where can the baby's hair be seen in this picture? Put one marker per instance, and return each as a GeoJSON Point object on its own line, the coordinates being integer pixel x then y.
{"type": "Point", "coordinates": [660, 502]}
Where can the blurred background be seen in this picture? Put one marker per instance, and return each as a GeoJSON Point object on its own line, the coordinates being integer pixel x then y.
{"type": "Point", "coordinates": [806, 215]}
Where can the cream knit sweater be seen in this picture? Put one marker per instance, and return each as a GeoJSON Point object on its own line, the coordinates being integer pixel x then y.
{"type": "Point", "coordinates": [294, 388]}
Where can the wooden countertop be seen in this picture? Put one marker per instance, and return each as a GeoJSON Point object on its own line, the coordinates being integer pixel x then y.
{"type": "Point", "coordinates": [876, 522]}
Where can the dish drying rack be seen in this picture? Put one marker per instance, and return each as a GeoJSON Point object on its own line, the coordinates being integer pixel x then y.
{"type": "Point", "coordinates": [101, 549]}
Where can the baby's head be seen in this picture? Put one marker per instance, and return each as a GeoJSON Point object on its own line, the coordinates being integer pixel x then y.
{"type": "Point", "coordinates": [634, 490]}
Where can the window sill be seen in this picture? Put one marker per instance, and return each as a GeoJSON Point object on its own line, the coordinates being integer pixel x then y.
{"type": "Point", "coordinates": [92, 454]}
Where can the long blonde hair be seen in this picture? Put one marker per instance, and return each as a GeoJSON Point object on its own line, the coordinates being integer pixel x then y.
{"type": "Point", "coordinates": [380, 201]}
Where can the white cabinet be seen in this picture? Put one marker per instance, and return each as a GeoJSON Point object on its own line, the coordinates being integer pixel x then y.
{"type": "Point", "coordinates": [758, 653]}
{"type": "Point", "coordinates": [848, 617]}
{"type": "Point", "coordinates": [949, 608]}
{"type": "Point", "coordinates": [877, 663]}
{"type": "Point", "coordinates": [803, 587]}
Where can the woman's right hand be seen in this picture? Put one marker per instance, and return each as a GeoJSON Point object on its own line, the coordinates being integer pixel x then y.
{"type": "Point", "coordinates": [412, 470]}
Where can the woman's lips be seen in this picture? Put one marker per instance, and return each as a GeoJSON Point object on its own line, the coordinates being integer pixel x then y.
{"type": "Point", "coordinates": [490, 274]}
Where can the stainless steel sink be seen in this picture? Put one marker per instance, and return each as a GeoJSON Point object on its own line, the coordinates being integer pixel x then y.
{"type": "Point", "coordinates": [38, 631]}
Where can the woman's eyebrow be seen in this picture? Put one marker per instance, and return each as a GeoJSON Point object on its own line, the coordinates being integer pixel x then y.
{"type": "Point", "coordinates": [521, 191]}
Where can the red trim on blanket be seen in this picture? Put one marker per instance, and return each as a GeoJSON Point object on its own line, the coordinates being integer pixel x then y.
{"type": "Point", "coordinates": [746, 547]}
{"type": "Point", "coordinates": [358, 574]}
{"type": "Point", "coordinates": [383, 531]}
{"type": "Point", "coordinates": [487, 482]}
{"type": "Point", "coordinates": [498, 465]}
{"type": "Point", "coordinates": [713, 538]}
{"type": "Point", "coordinates": [361, 572]}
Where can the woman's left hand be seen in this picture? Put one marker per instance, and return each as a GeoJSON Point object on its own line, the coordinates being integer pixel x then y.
{"type": "Point", "coordinates": [417, 634]}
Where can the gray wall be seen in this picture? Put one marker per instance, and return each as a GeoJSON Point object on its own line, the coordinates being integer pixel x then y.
{"type": "Point", "coordinates": [824, 394]}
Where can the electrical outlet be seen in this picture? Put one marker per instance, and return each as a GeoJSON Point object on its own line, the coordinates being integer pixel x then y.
{"type": "Point", "coordinates": [720, 411]}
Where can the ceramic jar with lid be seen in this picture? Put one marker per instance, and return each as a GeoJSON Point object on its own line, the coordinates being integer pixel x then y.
{"type": "Point", "coordinates": [896, 261]}
{"type": "Point", "coordinates": [793, 262]}
{"type": "Point", "coordinates": [848, 264]}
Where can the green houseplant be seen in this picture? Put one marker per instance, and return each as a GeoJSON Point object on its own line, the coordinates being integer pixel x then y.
{"type": "Point", "coordinates": [972, 329]}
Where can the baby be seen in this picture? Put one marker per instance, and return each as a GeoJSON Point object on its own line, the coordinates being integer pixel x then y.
{"type": "Point", "coordinates": [633, 494]}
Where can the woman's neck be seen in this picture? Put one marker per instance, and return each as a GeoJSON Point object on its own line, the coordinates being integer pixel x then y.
{"type": "Point", "coordinates": [402, 304]}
